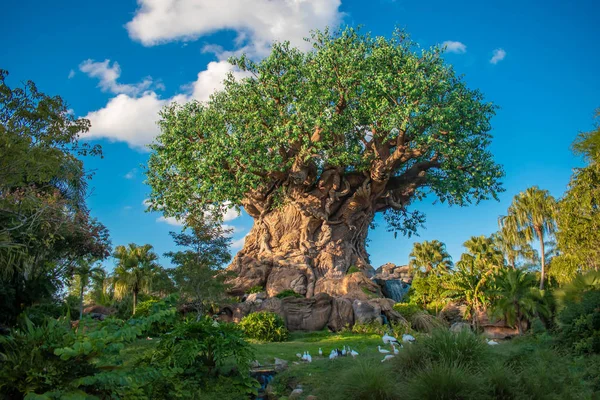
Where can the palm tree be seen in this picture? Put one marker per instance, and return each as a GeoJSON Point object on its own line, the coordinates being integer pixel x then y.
{"type": "Point", "coordinates": [481, 255]}
{"type": "Point", "coordinates": [430, 256]}
{"type": "Point", "coordinates": [135, 268]}
{"type": "Point", "coordinates": [85, 270]}
{"type": "Point", "coordinates": [532, 213]}
{"type": "Point", "coordinates": [516, 299]}
{"type": "Point", "coordinates": [469, 285]}
{"type": "Point", "coordinates": [514, 247]}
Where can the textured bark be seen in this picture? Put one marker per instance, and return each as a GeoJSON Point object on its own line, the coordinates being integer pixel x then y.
{"type": "Point", "coordinates": [308, 243]}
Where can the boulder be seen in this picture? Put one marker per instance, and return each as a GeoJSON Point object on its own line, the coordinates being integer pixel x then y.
{"type": "Point", "coordinates": [393, 271]}
{"type": "Point", "coordinates": [296, 393]}
{"type": "Point", "coordinates": [284, 278]}
{"type": "Point", "coordinates": [387, 308]}
{"type": "Point", "coordinates": [280, 365]}
{"type": "Point", "coordinates": [366, 312]}
{"type": "Point", "coordinates": [235, 312]}
{"type": "Point", "coordinates": [96, 309]}
{"type": "Point", "coordinates": [453, 313]}
{"type": "Point", "coordinates": [256, 297]}
{"type": "Point", "coordinates": [342, 314]}
{"type": "Point", "coordinates": [302, 314]}
{"type": "Point", "coordinates": [352, 286]}
{"type": "Point", "coordinates": [272, 304]}
{"type": "Point", "coordinates": [460, 326]}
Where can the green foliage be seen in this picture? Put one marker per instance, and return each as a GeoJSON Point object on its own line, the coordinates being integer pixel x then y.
{"type": "Point", "coordinates": [38, 313]}
{"type": "Point", "coordinates": [301, 111]}
{"type": "Point", "coordinates": [352, 270]}
{"type": "Point", "coordinates": [428, 257]}
{"type": "Point", "coordinates": [147, 307]}
{"type": "Point", "coordinates": [288, 293]}
{"type": "Point", "coordinates": [255, 289]}
{"type": "Point", "coordinates": [407, 310]}
{"type": "Point", "coordinates": [264, 326]}
{"type": "Point", "coordinates": [579, 318]}
{"type": "Point", "coordinates": [443, 381]}
{"type": "Point", "coordinates": [428, 291]}
{"type": "Point", "coordinates": [397, 329]}
{"type": "Point", "coordinates": [366, 380]}
{"type": "Point", "coordinates": [422, 321]}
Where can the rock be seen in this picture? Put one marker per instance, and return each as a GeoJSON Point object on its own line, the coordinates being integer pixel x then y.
{"type": "Point", "coordinates": [387, 308]}
{"type": "Point", "coordinates": [282, 278]}
{"type": "Point", "coordinates": [97, 316]}
{"type": "Point", "coordinates": [235, 312]}
{"type": "Point", "coordinates": [392, 271]}
{"type": "Point", "coordinates": [272, 304]}
{"type": "Point", "coordinates": [299, 284]}
{"type": "Point", "coordinates": [260, 296]}
{"type": "Point", "coordinates": [307, 314]}
{"type": "Point", "coordinates": [352, 286]}
{"type": "Point", "coordinates": [453, 313]}
{"type": "Point", "coordinates": [280, 365]}
{"type": "Point", "coordinates": [342, 314]}
{"type": "Point", "coordinates": [365, 312]}
{"type": "Point", "coordinates": [499, 332]}
{"type": "Point", "coordinates": [98, 310]}
{"type": "Point", "coordinates": [460, 326]}
{"type": "Point", "coordinates": [248, 272]}
{"type": "Point", "coordinates": [296, 393]}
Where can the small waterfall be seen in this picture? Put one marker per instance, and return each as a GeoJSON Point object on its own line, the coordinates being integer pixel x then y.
{"type": "Point", "coordinates": [395, 289]}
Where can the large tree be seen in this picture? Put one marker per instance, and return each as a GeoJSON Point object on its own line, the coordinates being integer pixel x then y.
{"type": "Point", "coordinates": [533, 214]}
{"type": "Point", "coordinates": [314, 144]}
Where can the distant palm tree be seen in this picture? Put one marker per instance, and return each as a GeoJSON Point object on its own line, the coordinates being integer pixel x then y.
{"type": "Point", "coordinates": [532, 213]}
{"type": "Point", "coordinates": [135, 268]}
{"type": "Point", "coordinates": [85, 270]}
{"type": "Point", "coordinates": [481, 255]}
{"type": "Point", "coordinates": [430, 256]}
{"type": "Point", "coordinates": [514, 247]}
{"type": "Point", "coordinates": [516, 299]}
{"type": "Point", "coordinates": [574, 290]}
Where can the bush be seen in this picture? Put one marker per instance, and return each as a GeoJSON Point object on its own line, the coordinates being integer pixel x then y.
{"type": "Point", "coordinates": [264, 326]}
{"type": "Point", "coordinates": [579, 323]}
{"type": "Point", "coordinates": [443, 381]}
{"type": "Point", "coordinates": [407, 310]}
{"type": "Point", "coordinates": [424, 322]}
{"type": "Point", "coordinates": [288, 293]}
{"type": "Point", "coordinates": [366, 381]}
{"type": "Point", "coordinates": [255, 289]}
{"type": "Point", "coordinates": [38, 313]}
{"type": "Point", "coordinates": [352, 269]}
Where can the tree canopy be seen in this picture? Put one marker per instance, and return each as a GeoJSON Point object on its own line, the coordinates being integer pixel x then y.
{"type": "Point", "coordinates": [369, 108]}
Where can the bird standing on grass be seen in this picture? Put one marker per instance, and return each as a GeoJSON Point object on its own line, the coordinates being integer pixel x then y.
{"type": "Point", "coordinates": [388, 357]}
{"type": "Point", "coordinates": [382, 351]}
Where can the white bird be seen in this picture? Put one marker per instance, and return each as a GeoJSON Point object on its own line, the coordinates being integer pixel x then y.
{"type": "Point", "coordinates": [492, 342]}
{"type": "Point", "coordinates": [408, 338]}
{"type": "Point", "coordinates": [333, 354]}
{"type": "Point", "coordinates": [344, 351]}
{"type": "Point", "coordinates": [320, 352]}
{"type": "Point", "coordinates": [388, 357]}
{"type": "Point", "coordinates": [308, 357]}
{"type": "Point", "coordinates": [396, 351]}
{"type": "Point", "coordinates": [353, 353]}
{"type": "Point", "coordinates": [382, 351]}
{"type": "Point", "coordinates": [387, 339]}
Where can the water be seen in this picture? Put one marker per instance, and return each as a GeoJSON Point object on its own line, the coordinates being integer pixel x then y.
{"type": "Point", "coordinates": [395, 289]}
{"type": "Point", "coordinates": [264, 376]}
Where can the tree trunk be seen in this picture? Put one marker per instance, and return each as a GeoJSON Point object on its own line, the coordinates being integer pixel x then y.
{"type": "Point", "coordinates": [135, 293]}
{"type": "Point", "coordinates": [299, 247]}
{"type": "Point", "coordinates": [81, 303]}
{"type": "Point", "coordinates": [542, 249]}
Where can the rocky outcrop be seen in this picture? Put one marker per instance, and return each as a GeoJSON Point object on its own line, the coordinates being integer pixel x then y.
{"type": "Point", "coordinates": [394, 280]}
{"type": "Point", "coordinates": [386, 307]}
{"type": "Point", "coordinates": [352, 286]}
{"type": "Point", "coordinates": [342, 314]}
{"type": "Point", "coordinates": [366, 312]}
{"type": "Point", "coordinates": [256, 297]}
{"type": "Point", "coordinates": [302, 314]}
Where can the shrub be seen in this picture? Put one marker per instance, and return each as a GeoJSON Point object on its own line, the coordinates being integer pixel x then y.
{"type": "Point", "coordinates": [145, 308]}
{"type": "Point", "coordinates": [38, 313]}
{"type": "Point", "coordinates": [352, 269]}
{"type": "Point", "coordinates": [288, 293]}
{"type": "Point", "coordinates": [443, 381]}
{"type": "Point", "coordinates": [255, 289]}
{"type": "Point", "coordinates": [424, 322]}
{"type": "Point", "coordinates": [407, 310]}
{"type": "Point", "coordinates": [366, 380]}
{"type": "Point", "coordinates": [264, 326]}
{"type": "Point", "coordinates": [579, 323]}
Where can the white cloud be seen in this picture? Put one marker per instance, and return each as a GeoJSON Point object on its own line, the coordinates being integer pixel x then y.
{"type": "Point", "coordinates": [498, 56]}
{"type": "Point", "coordinates": [130, 119]}
{"type": "Point", "coordinates": [108, 76]}
{"type": "Point", "coordinates": [131, 174]}
{"type": "Point", "coordinates": [71, 74]}
{"type": "Point", "coordinates": [454, 47]}
{"type": "Point", "coordinates": [258, 23]}
{"type": "Point", "coordinates": [171, 221]}
{"type": "Point", "coordinates": [127, 208]}
{"type": "Point", "coordinates": [239, 243]}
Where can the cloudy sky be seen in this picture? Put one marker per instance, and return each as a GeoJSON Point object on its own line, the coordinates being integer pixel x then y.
{"type": "Point", "coordinates": [117, 62]}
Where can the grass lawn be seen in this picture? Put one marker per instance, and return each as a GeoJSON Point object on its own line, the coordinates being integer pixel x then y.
{"type": "Point", "coordinates": [315, 376]}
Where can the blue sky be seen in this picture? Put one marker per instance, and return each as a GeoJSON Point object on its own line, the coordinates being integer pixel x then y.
{"type": "Point", "coordinates": [117, 62]}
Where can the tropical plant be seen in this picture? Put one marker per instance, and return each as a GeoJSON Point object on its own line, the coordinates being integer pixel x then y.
{"type": "Point", "coordinates": [430, 256]}
{"type": "Point", "coordinates": [516, 299]}
{"type": "Point", "coordinates": [86, 271]}
{"type": "Point", "coordinates": [265, 326]}
{"type": "Point", "coordinates": [532, 213]}
{"type": "Point", "coordinates": [481, 255]}
{"type": "Point", "coordinates": [316, 143]}
{"type": "Point", "coordinates": [471, 287]}
{"type": "Point", "coordinates": [135, 267]}
{"type": "Point", "coordinates": [514, 247]}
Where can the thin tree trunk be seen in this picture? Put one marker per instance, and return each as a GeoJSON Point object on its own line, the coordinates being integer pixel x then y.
{"type": "Point", "coordinates": [81, 303]}
{"type": "Point", "coordinates": [542, 249]}
{"type": "Point", "coordinates": [134, 300]}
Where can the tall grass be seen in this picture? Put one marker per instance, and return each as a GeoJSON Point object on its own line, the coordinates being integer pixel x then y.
{"type": "Point", "coordinates": [365, 380]}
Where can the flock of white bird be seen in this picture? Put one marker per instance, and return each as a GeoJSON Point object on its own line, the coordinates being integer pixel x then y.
{"type": "Point", "coordinates": [347, 351]}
